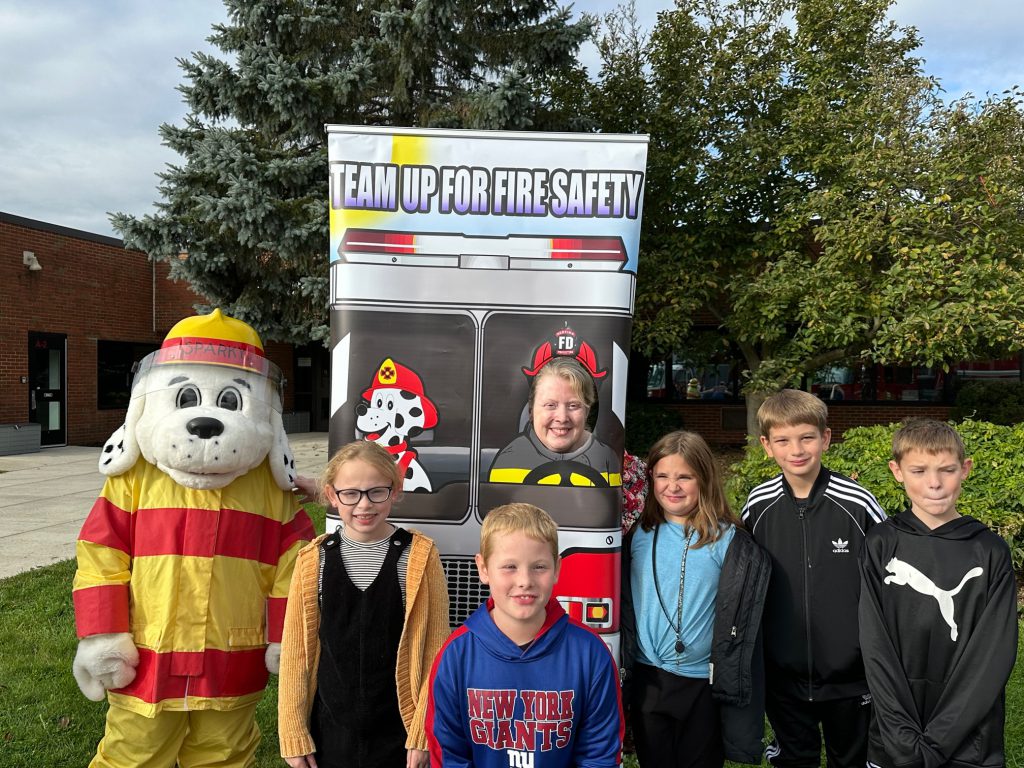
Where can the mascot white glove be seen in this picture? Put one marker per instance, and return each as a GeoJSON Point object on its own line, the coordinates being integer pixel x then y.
{"type": "Point", "coordinates": [103, 662]}
{"type": "Point", "coordinates": [272, 658]}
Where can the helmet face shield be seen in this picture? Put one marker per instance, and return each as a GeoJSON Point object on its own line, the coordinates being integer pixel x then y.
{"type": "Point", "coordinates": [241, 375]}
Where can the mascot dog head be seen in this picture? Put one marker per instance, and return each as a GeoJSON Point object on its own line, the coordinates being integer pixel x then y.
{"type": "Point", "coordinates": [205, 408]}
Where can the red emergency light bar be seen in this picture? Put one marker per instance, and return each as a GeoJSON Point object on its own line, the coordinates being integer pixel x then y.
{"type": "Point", "coordinates": [516, 246]}
{"type": "Point", "coordinates": [378, 241]}
{"type": "Point", "coordinates": [592, 248]}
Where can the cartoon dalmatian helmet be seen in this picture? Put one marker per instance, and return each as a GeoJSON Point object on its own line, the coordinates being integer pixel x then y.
{"type": "Point", "coordinates": [205, 408]}
{"type": "Point", "coordinates": [395, 376]}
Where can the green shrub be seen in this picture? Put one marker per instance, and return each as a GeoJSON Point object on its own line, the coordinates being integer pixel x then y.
{"type": "Point", "coordinates": [754, 468]}
{"type": "Point", "coordinates": [1000, 402]}
{"type": "Point", "coordinates": [993, 493]}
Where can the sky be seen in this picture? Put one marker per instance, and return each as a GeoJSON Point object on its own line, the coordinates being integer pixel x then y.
{"type": "Point", "coordinates": [85, 85]}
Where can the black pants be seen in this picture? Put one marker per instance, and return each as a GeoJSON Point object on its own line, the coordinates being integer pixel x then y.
{"type": "Point", "coordinates": [675, 721]}
{"type": "Point", "coordinates": [844, 724]}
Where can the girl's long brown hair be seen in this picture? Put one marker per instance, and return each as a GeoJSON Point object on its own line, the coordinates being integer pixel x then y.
{"type": "Point", "coordinates": [713, 511]}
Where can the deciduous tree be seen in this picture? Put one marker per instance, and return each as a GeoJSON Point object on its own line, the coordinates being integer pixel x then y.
{"type": "Point", "coordinates": [809, 188]}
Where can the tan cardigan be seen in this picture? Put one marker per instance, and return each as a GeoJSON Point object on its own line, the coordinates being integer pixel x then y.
{"type": "Point", "coordinates": [423, 633]}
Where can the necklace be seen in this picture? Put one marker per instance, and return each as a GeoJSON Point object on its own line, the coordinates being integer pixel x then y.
{"type": "Point", "coordinates": [677, 626]}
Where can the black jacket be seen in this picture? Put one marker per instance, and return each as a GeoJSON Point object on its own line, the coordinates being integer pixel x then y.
{"type": "Point", "coordinates": [737, 664]}
{"type": "Point", "coordinates": [938, 625]}
{"type": "Point", "coordinates": [810, 618]}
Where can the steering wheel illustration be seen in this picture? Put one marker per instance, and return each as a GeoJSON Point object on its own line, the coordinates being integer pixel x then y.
{"type": "Point", "coordinates": [564, 471]}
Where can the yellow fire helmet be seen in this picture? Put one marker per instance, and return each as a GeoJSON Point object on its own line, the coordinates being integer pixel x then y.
{"type": "Point", "coordinates": [213, 339]}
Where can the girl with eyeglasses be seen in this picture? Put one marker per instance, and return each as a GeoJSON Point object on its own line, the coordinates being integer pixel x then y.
{"type": "Point", "coordinates": [367, 612]}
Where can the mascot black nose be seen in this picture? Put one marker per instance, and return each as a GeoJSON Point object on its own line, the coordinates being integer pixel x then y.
{"type": "Point", "coordinates": [361, 409]}
{"type": "Point", "coordinates": [204, 427]}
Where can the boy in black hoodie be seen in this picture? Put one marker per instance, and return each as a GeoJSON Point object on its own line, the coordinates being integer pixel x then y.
{"type": "Point", "coordinates": [938, 623]}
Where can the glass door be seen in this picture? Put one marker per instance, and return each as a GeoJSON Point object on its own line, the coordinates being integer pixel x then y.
{"type": "Point", "coordinates": [47, 370]}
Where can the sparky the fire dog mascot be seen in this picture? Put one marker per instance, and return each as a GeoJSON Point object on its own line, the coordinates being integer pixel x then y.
{"type": "Point", "coordinates": [185, 559]}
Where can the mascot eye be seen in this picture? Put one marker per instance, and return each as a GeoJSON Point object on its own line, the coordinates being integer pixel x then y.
{"type": "Point", "coordinates": [391, 404]}
{"type": "Point", "coordinates": [188, 397]}
{"type": "Point", "coordinates": [230, 399]}
{"type": "Point", "coordinates": [380, 402]}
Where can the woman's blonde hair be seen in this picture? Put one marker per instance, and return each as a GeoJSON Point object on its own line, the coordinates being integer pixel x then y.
{"type": "Point", "coordinates": [518, 518]}
{"type": "Point", "coordinates": [579, 379]}
{"type": "Point", "coordinates": [713, 511]}
{"type": "Point", "coordinates": [365, 451]}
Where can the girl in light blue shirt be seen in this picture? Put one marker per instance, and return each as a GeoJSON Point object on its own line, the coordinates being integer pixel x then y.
{"type": "Point", "coordinates": [676, 551]}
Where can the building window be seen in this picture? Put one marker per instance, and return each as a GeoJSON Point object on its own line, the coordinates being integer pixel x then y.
{"type": "Point", "coordinates": [712, 378]}
{"type": "Point", "coordinates": [114, 362]}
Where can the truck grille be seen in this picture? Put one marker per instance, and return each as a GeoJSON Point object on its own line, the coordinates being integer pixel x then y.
{"type": "Point", "coordinates": [465, 592]}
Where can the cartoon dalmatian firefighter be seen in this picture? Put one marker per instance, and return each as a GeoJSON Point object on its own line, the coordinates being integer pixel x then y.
{"type": "Point", "coordinates": [394, 409]}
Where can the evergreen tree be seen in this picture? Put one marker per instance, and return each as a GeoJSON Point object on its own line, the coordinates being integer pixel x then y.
{"type": "Point", "coordinates": [244, 219]}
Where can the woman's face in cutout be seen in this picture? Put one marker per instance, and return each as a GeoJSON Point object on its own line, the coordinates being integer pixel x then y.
{"type": "Point", "coordinates": [559, 414]}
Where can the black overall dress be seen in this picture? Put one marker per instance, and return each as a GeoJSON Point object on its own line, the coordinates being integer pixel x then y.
{"type": "Point", "coordinates": [355, 722]}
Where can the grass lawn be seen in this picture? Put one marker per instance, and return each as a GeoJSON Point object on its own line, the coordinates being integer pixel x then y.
{"type": "Point", "coordinates": [46, 722]}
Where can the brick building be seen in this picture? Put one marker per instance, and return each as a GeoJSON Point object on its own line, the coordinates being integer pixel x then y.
{"type": "Point", "coordinates": [76, 311]}
{"type": "Point", "coordinates": [856, 396]}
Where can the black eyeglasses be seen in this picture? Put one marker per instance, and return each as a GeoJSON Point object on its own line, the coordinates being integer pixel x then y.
{"type": "Point", "coordinates": [352, 496]}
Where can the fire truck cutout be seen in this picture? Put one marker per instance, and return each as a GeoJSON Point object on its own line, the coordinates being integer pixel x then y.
{"type": "Point", "coordinates": [470, 314]}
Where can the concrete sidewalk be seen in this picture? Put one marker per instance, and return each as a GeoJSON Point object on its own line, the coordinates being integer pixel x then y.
{"type": "Point", "coordinates": [45, 497]}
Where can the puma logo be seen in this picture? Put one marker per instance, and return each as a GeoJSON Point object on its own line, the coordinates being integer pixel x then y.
{"type": "Point", "coordinates": [906, 574]}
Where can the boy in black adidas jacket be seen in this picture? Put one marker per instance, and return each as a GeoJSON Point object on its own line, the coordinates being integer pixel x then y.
{"type": "Point", "coordinates": [938, 621]}
{"type": "Point", "coordinates": [812, 522]}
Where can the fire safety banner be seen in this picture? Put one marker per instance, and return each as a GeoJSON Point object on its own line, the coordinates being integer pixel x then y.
{"type": "Point", "coordinates": [462, 264]}
{"type": "Point", "coordinates": [487, 185]}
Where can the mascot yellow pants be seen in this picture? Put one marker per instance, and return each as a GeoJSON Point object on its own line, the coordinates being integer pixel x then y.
{"type": "Point", "coordinates": [195, 739]}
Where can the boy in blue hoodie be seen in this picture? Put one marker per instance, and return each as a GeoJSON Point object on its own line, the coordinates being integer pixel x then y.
{"type": "Point", "coordinates": [938, 619]}
{"type": "Point", "coordinates": [520, 684]}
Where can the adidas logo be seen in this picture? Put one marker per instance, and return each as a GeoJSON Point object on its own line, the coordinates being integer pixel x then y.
{"type": "Point", "coordinates": [840, 545]}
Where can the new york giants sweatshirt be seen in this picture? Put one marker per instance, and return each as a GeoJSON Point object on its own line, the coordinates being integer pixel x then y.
{"type": "Point", "coordinates": [555, 704]}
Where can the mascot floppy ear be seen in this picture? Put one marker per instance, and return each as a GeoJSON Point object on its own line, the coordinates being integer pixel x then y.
{"type": "Point", "coordinates": [281, 458]}
{"type": "Point", "coordinates": [121, 450]}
